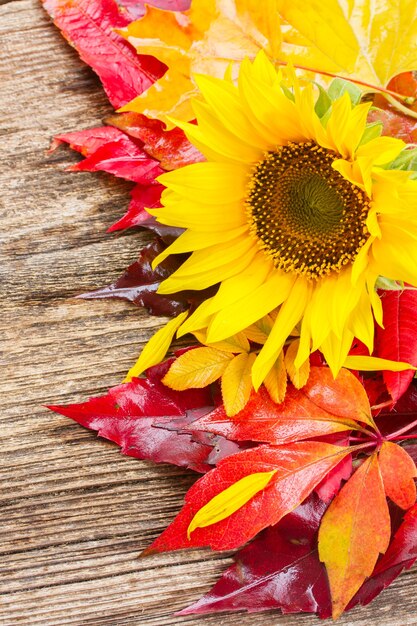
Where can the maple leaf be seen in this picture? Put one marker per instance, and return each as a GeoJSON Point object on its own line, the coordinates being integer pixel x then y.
{"type": "Point", "coordinates": [398, 339]}
{"type": "Point", "coordinates": [89, 26]}
{"type": "Point", "coordinates": [205, 39]}
{"type": "Point", "coordinates": [143, 197]}
{"type": "Point", "coordinates": [372, 46]}
{"type": "Point", "coordinates": [322, 407]}
{"type": "Point", "coordinates": [293, 471]}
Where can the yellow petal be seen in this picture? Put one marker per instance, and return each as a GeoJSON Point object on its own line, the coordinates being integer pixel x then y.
{"type": "Point", "coordinates": [156, 348]}
{"type": "Point", "coordinates": [230, 500]}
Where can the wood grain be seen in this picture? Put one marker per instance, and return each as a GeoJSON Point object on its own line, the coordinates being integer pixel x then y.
{"type": "Point", "coordinates": [74, 512]}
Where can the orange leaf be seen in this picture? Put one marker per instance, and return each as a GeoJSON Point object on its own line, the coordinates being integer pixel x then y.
{"type": "Point", "coordinates": [322, 407]}
{"type": "Point", "coordinates": [355, 529]}
{"type": "Point", "coordinates": [276, 380]}
{"type": "Point", "coordinates": [398, 472]}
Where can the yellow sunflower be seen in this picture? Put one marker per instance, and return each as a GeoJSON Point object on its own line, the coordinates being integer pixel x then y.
{"type": "Point", "coordinates": [289, 211]}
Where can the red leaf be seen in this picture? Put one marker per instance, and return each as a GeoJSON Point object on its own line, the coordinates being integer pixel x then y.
{"type": "Point", "coordinates": [396, 124]}
{"type": "Point", "coordinates": [398, 339]}
{"type": "Point", "coordinates": [170, 147]}
{"type": "Point", "coordinates": [89, 26]}
{"type": "Point", "coordinates": [127, 414]}
{"type": "Point", "coordinates": [322, 406]}
{"type": "Point", "coordinates": [400, 555]}
{"type": "Point", "coordinates": [142, 197]}
{"type": "Point", "coordinates": [280, 569]}
{"type": "Point", "coordinates": [299, 468]}
{"type": "Point", "coordinates": [137, 9]}
{"type": "Point", "coordinates": [398, 472]}
{"type": "Point", "coordinates": [88, 141]}
{"type": "Point", "coordinates": [330, 485]}
{"type": "Point", "coordinates": [122, 158]}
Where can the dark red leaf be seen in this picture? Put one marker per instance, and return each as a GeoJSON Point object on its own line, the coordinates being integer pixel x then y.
{"type": "Point", "coordinates": [280, 569]}
{"type": "Point", "coordinates": [89, 26]}
{"type": "Point", "coordinates": [398, 339]}
{"type": "Point", "coordinates": [127, 414]}
{"type": "Point", "coordinates": [139, 283]}
{"type": "Point", "coordinates": [170, 147]}
{"type": "Point", "coordinates": [400, 555]}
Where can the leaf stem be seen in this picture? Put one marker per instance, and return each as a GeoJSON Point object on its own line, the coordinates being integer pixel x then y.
{"type": "Point", "coordinates": [397, 433]}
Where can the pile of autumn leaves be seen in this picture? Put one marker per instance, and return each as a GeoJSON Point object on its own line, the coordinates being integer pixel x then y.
{"type": "Point", "coordinates": [318, 472]}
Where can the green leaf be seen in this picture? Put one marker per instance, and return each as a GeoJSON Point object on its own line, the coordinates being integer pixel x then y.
{"type": "Point", "coordinates": [339, 86]}
{"type": "Point", "coordinates": [323, 103]}
{"type": "Point", "coordinates": [372, 131]}
{"type": "Point", "coordinates": [406, 160]}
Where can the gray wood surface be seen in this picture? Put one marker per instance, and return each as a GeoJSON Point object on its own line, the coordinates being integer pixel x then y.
{"type": "Point", "coordinates": [74, 512]}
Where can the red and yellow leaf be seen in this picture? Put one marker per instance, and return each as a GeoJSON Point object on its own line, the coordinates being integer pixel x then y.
{"type": "Point", "coordinates": [322, 407]}
{"type": "Point", "coordinates": [355, 529]}
{"type": "Point", "coordinates": [298, 468]}
{"type": "Point", "coordinates": [398, 471]}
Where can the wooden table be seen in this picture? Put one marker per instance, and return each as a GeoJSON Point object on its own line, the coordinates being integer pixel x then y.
{"type": "Point", "coordinates": [75, 513]}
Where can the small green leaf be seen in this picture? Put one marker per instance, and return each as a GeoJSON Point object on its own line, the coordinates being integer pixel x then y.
{"type": "Point", "coordinates": [372, 131]}
{"type": "Point", "coordinates": [406, 160]}
{"type": "Point", "coordinates": [323, 103]}
{"type": "Point", "coordinates": [338, 87]}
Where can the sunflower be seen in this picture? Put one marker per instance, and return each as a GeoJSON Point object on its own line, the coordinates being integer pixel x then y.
{"type": "Point", "coordinates": [290, 212]}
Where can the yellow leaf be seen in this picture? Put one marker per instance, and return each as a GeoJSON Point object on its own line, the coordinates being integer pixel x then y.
{"type": "Point", "coordinates": [373, 363]}
{"type": "Point", "coordinates": [259, 331]}
{"type": "Point", "coordinates": [297, 375]}
{"type": "Point", "coordinates": [276, 380]}
{"type": "Point", "coordinates": [230, 500]}
{"type": "Point", "coordinates": [237, 383]}
{"type": "Point", "coordinates": [204, 40]}
{"type": "Point", "coordinates": [156, 348]}
{"type": "Point", "coordinates": [235, 344]}
{"type": "Point", "coordinates": [197, 368]}
{"type": "Point", "coordinates": [370, 43]}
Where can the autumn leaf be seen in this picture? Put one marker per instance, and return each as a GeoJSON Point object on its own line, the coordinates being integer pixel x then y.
{"type": "Point", "coordinates": [276, 380]}
{"type": "Point", "coordinates": [88, 141]}
{"type": "Point", "coordinates": [236, 383]}
{"type": "Point", "coordinates": [89, 26]}
{"type": "Point", "coordinates": [322, 407]}
{"type": "Point", "coordinates": [205, 39]}
{"type": "Point", "coordinates": [280, 569]}
{"type": "Point", "coordinates": [197, 368]}
{"type": "Point", "coordinates": [142, 197]}
{"type": "Point", "coordinates": [139, 284]}
{"type": "Point", "coordinates": [297, 375]}
{"type": "Point", "coordinates": [400, 555]}
{"type": "Point", "coordinates": [127, 415]}
{"type": "Point", "coordinates": [170, 147]}
{"type": "Point", "coordinates": [397, 341]}
{"type": "Point", "coordinates": [299, 468]}
{"type": "Point", "coordinates": [372, 46]}
{"type": "Point", "coordinates": [398, 472]}
{"type": "Point", "coordinates": [355, 529]}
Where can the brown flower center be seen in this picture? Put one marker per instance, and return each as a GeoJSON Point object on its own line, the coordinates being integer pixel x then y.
{"type": "Point", "coordinates": [304, 214]}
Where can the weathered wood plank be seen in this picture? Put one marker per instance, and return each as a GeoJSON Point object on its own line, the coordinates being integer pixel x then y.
{"type": "Point", "coordinates": [74, 512]}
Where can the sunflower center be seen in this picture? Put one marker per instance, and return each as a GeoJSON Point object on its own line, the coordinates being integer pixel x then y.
{"type": "Point", "coordinates": [304, 214]}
